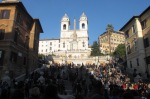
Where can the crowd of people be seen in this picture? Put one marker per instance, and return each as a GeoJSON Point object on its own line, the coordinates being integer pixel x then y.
{"type": "Point", "coordinates": [85, 81]}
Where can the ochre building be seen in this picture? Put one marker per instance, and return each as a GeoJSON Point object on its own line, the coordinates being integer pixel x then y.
{"type": "Point", "coordinates": [19, 39]}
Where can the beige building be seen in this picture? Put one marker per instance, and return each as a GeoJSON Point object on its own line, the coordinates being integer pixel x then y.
{"type": "Point", "coordinates": [137, 35]}
{"type": "Point", "coordinates": [19, 39]}
{"type": "Point", "coordinates": [48, 46]}
{"type": "Point", "coordinates": [116, 38]}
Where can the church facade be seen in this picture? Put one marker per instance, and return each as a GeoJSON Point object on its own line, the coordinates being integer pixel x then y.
{"type": "Point", "coordinates": [76, 39]}
{"type": "Point", "coordinates": [73, 45]}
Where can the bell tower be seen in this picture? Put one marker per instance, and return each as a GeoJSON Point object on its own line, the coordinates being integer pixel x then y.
{"type": "Point", "coordinates": [83, 22]}
{"type": "Point", "coordinates": [65, 23]}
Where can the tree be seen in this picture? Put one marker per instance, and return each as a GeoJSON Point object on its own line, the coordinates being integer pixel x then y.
{"type": "Point", "coordinates": [40, 56]}
{"type": "Point", "coordinates": [120, 51]}
{"type": "Point", "coordinates": [95, 49]}
{"type": "Point", "coordinates": [109, 28]}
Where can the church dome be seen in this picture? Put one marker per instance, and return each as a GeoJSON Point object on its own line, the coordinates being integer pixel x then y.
{"type": "Point", "coordinates": [83, 16]}
{"type": "Point", "coordinates": [65, 18]}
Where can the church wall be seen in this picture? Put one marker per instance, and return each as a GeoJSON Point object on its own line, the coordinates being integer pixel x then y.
{"type": "Point", "coordinates": [82, 33]}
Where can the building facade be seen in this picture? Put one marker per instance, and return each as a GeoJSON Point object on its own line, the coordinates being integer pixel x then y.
{"type": "Point", "coordinates": [76, 39]}
{"type": "Point", "coordinates": [116, 38]}
{"type": "Point", "coordinates": [137, 40]}
{"type": "Point", "coordinates": [73, 45]}
{"type": "Point", "coordinates": [48, 46]}
{"type": "Point", "coordinates": [19, 39]}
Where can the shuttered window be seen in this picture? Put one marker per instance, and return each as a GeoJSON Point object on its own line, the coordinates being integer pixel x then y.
{"type": "Point", "coordinates": [4, 14]}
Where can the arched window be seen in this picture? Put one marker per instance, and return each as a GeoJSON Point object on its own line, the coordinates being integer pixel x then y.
{"type": "Point", "coordinates": [83, 26]}
{"type": "Point", "coordinates": [64, 27]}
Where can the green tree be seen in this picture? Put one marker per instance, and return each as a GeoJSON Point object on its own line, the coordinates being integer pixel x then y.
{"type": "Point", "coordinates": [120, 51]}
{"type": "Point", "coordinates": [40, 56]}
{"type": "Point", "coordinates": [109, 28]}
{"type": "Point", "coordinates": [95, 49]}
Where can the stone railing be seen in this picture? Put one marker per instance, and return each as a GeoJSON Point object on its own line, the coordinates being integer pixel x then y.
{"type": "Point", "coordinates": [91, 57]}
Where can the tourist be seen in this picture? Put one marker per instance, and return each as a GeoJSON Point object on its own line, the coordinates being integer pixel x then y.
{"type": "Point", "coordinates": [35, 93]}
{"type": "Point", "coordinates": [97, 90]}
{"type": "Point", "coordinates": [51, 92]}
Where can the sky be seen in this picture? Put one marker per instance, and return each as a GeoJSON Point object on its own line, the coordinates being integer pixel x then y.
{"type": "Point", "coordinates": [100, 13]}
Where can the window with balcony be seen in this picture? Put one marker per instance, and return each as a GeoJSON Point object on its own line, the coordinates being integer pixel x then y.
{"type": "Point", "coordinates": [137, 61]}
{"type": "Point", "coordinates": [4, 14]}
{"type": "Point", "coordinates": [16, 37]}
{"type": "Point", "coordinates": [133, 29]}
{"type": "Point", "coordinates": [2, 33]}
{"type": "Point", "coordinates": [143, 24]}
{"type": "Point", "coordinates": [130, 64]}
{"type": "Point", "coordinates": [19, 19]}
{"type": "Point", "coordinates": [135, 44]}
{"type": "Point", "coordinates": [127, 34]}
{"type": "Point", "coordinates": [146, 42]}
{"type": "Point", "coordinates": [128, 49]}
{"type": "Point", "coordinates": [13, 57]}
